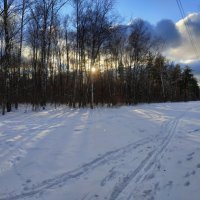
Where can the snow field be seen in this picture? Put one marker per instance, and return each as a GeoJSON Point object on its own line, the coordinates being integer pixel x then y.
{"type": "Point", "coordinates": [149, 151]}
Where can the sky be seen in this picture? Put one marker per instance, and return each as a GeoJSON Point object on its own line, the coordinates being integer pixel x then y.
{"type": "Point", "coordinates": [154, 10]}
{"type": "Point", "coordinates": [165, 19]}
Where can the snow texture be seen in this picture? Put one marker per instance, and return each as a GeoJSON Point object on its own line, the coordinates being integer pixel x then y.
{"type": "Point", "coordinates": [144, 152]}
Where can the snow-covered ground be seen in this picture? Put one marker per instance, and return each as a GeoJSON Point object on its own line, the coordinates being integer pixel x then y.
{"type": "Point", "coordinates": [149, 152]}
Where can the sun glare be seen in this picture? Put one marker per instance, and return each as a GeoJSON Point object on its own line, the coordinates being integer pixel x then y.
{"type": "Point", "coordinates": [93, 69]}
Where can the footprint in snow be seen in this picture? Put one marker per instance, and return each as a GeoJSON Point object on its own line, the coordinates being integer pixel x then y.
{"type": "Point", "coordinates": [18, 158]}
{"type": "Point", "coordinates": [141, 131]}
{"type": "Point", "coordinates": [187, 175]}
{"type": "Point", "coordinates": [191, 154]}
{"type": "Point", "coordinates": [146, 192]}
{"type": "Point", "coordinates": [193, 172]}
{"type": "Point", "coordinates": [189, 158]}
{"type": "Point", "coordinates": [192, 131]}
{"type": "Point", "coordinates": [157, 187]}
{"type": "Point", "coordinates": [149, 177]}
{"type": "Point", "coordinates": [187, 183]}
{"type": "Point", "coordinates": [28, 181]}
{"type": "Point", "coordinates": [169, 184]}
{"type": "Point", "coordinates": [198, 165]}
{"type": "Point", "coordinates": [77, 129]}
{"type": "Point", "coordinates": [26, 188]}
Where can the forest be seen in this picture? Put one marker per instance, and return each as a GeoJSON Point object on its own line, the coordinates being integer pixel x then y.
{"type": "Point", "coordinates": [84, 59]}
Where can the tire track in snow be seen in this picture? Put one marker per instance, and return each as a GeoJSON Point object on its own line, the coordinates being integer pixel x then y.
{"type": "Point", "coordinates": [146, 164]}
{"type": "Point", "coordinates": [99, 161]}
{"type": "Point", "coordinates": [71, 175]}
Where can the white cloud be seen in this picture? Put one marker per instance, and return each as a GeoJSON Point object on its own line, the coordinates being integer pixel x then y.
{"type": "Point", "coordinates": [186, 52]}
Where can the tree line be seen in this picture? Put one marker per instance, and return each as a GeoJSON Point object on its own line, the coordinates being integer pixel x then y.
{"type": "Point", "coordinates": [84, 59]}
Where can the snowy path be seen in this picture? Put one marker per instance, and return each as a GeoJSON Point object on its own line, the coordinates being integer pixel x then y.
{"type": "Point", "coordinates": [141, 152]}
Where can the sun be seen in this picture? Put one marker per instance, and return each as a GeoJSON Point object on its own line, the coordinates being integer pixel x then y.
{"type": "Point", "coordinates": [93, 69]}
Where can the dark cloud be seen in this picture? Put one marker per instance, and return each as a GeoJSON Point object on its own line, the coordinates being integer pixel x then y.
{"type": "Point", "coordinates": [150, 28]}
{"type": "Point", "coordinates": [146, 25]}
{"type": "Point", "coordinates": [177, 43]}
{"type": "Point", "coordinates": [167, 30]}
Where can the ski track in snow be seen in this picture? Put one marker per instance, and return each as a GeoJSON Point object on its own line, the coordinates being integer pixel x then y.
{"type": "Point", "coordinates": [115, 158]}
{"type": "Point", "coordinates": [147, 162]}
{"type": "Point", "coordinates": [86, 168]}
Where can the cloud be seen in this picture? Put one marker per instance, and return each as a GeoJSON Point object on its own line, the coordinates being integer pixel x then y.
{"type": "Point", "coordinates": [187, 50]}
{"type": "Point", "coordinates": [179, 47]}
{"type": "Point", "coordinates": [177, 43]}
{"type": "Point", "coordinates": [146, 25]}
{"type": "Point", "coordinates": [193, 21]}
{"type": "Point", "coordinates": [167, 30]}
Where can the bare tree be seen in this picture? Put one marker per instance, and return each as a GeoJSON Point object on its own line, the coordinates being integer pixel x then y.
{"type": "Point", "coordinates": [8, 15]}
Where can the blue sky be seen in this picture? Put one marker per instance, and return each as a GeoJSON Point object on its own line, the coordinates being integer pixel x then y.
{"type": "Point", "coordinates": [179, 48]}
{"type": "Point", "coordinates": [150, 10]}
{"type": "Point", "coordinates": [154, 10]}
